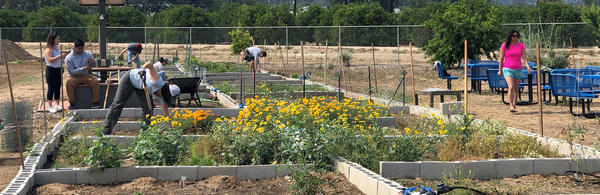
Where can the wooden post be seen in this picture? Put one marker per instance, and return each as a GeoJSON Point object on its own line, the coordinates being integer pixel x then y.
{"type": "Point", "coordinates": [12, 100]}
{"type": "Point", "coordinates": [342, 66]}
{"type": "Point", "coordinates": [281, 54]}
{"type": "Point", "coordinates": [107, 87]}
{"type": "Point", "coordinates": [412, 72]}
{"type": "Point", "coordinates": [43, 89]}
{"type": "Point", "coordinates": [539, 83]}
{"type": "Point", "coordinates": [466, 93]}
{"type": "Point", "coordinates": [326, 64]}
{"type": "Point", "coordinates": [572, 51]}
{"type": "Point", "coordinates": [374, 70]}
{"type": "Point", "coordinates": [303, 72]}
{"type": "Point", "coordinates": [62, 87]}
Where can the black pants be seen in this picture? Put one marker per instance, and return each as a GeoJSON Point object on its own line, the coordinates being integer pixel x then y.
{"type": "Point", "coordinates": [125, 90]}
{"type": "Point", "coordinates": [54, 80]}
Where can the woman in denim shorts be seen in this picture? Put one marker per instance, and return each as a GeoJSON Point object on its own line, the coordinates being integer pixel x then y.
{"type": "Point", "coordinates": [512, 54]}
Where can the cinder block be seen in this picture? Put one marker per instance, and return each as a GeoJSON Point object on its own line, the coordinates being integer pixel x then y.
{"type": "Point", "coordinates": [452, 108]}
{"type": "Point", "coordinates": [256, 172]}
{"type": "Point", "coordinates": [507, 168]}
{"type": "Point", "coordinates": [47, 176]}
{"type": "Point", "coordinates": [82, 113]}
{"type": "Point", "coordinates": [386, 121]}
{"type": "Point", "coordinates": [389, 169]}
{"type": "Point", "coordinates": [209, 171]}
{"type": "Point", "coordinates": [175, 173]}
{"type": "Point", "coordinates": [366, 182]}
{"type": "Point", "coordinates": [592, 165]}
{"type": "Point", "coordinates": [547, 166]}
{"type": "Point", "coordinates": [125, 174]}
{"type": "Point", "coordinates": [129, 113]}
{"type": "Point", "coordinates": [399, 109]}
{"type": "Point", "coordinates": [284, 170]}
{"type": "Point", "coordinates": [106, 176]}
{"type": "Point", "coordinates": [439, 170]}
{"type": "Point", "coordinates": [383, 186]}
{"type": "Point", "coordinates": [479, 169]}
{"type": "Point", "coordinates": [343, 167]}
{"type": "Point", "coordinates": [129, 125]}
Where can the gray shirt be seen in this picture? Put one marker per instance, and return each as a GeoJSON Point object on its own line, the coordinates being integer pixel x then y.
{"type": "Point", "coordinates": [75, 62]}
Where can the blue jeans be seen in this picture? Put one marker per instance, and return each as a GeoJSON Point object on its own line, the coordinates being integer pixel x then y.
{"type": "Point", "coordinates": [137, 60]}
{"type": "Point", "coordinates": [125, 90]}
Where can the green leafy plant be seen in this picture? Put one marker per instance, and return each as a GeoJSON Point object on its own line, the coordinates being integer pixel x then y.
{"type": "Point", "coordinates": [160, 144]}
{"type": "Point", "coordinates": [240, 40]}
{"type": "Point", "coordinates": [346, 57]}
{"type": "Point", "coordinates": [71, 152]}
{"type": "Point", "coordinates": [103, 153]}
{"type": "Point", "coordinates": [306, 181]}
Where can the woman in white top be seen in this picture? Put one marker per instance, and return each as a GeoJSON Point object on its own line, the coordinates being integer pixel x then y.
{"type": "Point", "coordinates": [53, 55]}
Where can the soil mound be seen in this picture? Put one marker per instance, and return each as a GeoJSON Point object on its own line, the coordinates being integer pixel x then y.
{"type": "Point", "coordinates": [143, 183]}
{"type": "Point", "coordinates": [15, 52]}
{"type": "Point", "coordinates": [223, 182]}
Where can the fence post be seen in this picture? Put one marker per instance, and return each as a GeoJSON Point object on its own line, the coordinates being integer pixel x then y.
{"type": "Point", "coordinates": [286, 47]}
{"type": "Point", "coordinates": [145, 44]}
{"type": "Point", "coordinates": [398, 43]}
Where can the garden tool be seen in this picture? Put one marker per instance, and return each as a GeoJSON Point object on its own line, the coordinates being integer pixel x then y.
{"type": "Point", "coordinates": [143, 77]}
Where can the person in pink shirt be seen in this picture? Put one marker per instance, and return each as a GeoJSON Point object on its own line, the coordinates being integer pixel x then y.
{"type": "Point", "coordinates": [512, 54]}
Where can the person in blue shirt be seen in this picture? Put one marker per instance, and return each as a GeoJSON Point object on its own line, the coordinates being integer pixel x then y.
{"type": "Point", "coordinates": [79, 64]}
{"type": "Point", "coordinates": [133, 53]}
{"type": "Point", "coordinates": [133, 81]}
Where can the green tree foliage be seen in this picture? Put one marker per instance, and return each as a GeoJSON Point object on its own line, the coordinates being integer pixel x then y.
{"type": "Point", "coordinates": [274, 16]}
{"type": "Point", "coordinates": [363, 14]}
{"type": "Point", "coordinates": [417, 16]}
{"type": "Point", "coordinates": [55, 17]}
{"type": "Point", "coordinates": [179, 16]}
{"type": "Point", "coordinates": [474, 20]}
{"type": "Point", "coordinates": [240, 40]}
{"type": "Point", "coordinates": [119, 17]}
{"type": "Point", "coordinates": [591, 15]}
{"type": "Point", "coordinates": [312, 17]}
{"type": "Point", "coordinates": [13, 18]}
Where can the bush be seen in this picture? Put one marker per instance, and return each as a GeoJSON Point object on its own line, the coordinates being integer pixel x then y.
{"type": "Point", "coordinates": [160, 144]}
{"type": "Point", "coordinates": [56, 17]}
{"type": "Point", "coordinates": [240, 40]}
{"type": "Point", "coordinates": [103, 153]}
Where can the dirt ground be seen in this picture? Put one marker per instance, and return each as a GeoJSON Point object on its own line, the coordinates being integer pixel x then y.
{"type": "Point", "coordinates": [531, 184]}
{"type": "Point", "coordinates": [212, 185]}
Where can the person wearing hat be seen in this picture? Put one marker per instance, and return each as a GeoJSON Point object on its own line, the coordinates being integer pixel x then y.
{"type": "Point", "coordinates": [134, 81]}
{"type": "Point", "coordinates": [161, 62]}
{"type": "Point", "coordinates": [133, 53]}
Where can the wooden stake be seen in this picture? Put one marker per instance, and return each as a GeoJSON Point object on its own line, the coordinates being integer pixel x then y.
{"type": "Point", "coordinates": [412, 72]}
{"type": "Point", "coordinates": [107, 87]}
{"type": "Point", "coordinates": [374, 70]}
{"type": "Point", "coordinates": [303, 72]}
{"type": "Point", "coordinates": [281, 54]}
{"type": "Point", "coordinates": [326, 64]}
{"type": "Point", "coordinates": [539, 83]}
{"type": "Point", "coordinates": [342, 65]}
{"type": "Point", "coordinates": [62, 87]}
{"type": "Point", "coordinates": [12, 100]}
{"type": "Point", "coordinates": [466, 93]}
{"type": "Point", "coordinates": [572, 50]}
{"type": "Point", "coordinates": [43, 89]}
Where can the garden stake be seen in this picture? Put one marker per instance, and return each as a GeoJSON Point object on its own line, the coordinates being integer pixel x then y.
{"type": "Point", "coordinates": [342, 66]}
{"type": "Point", "coordinates": [403, 83]}
{"type": "Point", "coordinates": [281, 54]}
{"type": "Point", "coordinates": [242, 84]}
{"type": "Point", "coordinates": [43, 89]}
{"type": "Point", "coordinates": [466, 93]}
{"type": "Point", "coordinates": [12, 100]}
{"type": "Point", "coordinates": [143, 77]}
{"type": "Point", "coordinates": [303, 72]}
{"type": "Point", "coordinates": [369, 73]}
{"type": "Point", "coordinates": [572, 51]}
{"type": "Point", "coordinates": [403, 87]}
{"type": "Point", "coordinates": [158, 48]}
{"type": "Point", "coordinates": [539, 81]}
{"type": "Point", "coordinates": [326, 64]}
{"type": "Point", "coordinates": [265, 47]}
{"type": "Point", "coordinates": [254, 79]}
{"type": "Point", "coordinates": [154, 50]}
{"type": "Point", "coordinates": [412, 72]}
{"type": "Point", "coordinates": [374, 70]}
{"type": "Point", "coordinates": [339, 87]}
{"type": "Point", "coordinates": [62, 87]}
{"type": "Point", "coordinates": [107, 87]}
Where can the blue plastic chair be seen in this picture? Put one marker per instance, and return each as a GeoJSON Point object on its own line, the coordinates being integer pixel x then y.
{"type": "Point", "coordinates": [567, 85]}
{"type": "Point", "coordinates": [499, 83]}
{"type": "Point", "coordinates": [440, 70]}
{"type": "Point", "coordinates": [479, 73]}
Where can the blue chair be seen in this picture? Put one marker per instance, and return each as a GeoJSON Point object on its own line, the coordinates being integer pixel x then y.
{"type": "Point", "coordinates": [499, 83]}
{"type": "Point", "coordinates": [567, 85]}
{"type": "Point", "coordinates": [440, 70]}
{"type": "Point", "coordinates": [592, 67]}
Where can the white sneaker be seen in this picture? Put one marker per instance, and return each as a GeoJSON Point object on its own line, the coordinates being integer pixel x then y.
{"type": "Point", "coordinates": [58, 108]}
{"type": "Point", "coordinates": [52, 109]}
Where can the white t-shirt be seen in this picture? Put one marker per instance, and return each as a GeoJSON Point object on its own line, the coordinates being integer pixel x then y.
{"type": "Point", "coordinates": [254, 51]}
{"type": "Point", "coordinates": [157, 66]}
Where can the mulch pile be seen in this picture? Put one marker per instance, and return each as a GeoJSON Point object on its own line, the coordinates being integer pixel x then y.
{"type": "Point", "coordinates": [15, 52]}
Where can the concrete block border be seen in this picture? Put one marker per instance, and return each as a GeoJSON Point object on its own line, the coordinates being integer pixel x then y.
{"type": "Point", "coordinates": [485, 169]}
{"type": "Point", "coordinates": [367, 181]}
{"type": "Point", "coordinates": [137, 112]}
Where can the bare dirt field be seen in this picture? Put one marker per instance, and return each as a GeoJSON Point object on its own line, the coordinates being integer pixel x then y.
{"type": "Point", "coordinates": [212, 185]}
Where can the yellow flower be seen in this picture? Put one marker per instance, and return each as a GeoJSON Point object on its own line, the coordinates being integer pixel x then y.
{"type": "Point", "coordinates": [394, 146]}
{"type": "Point", "coordinates": [407, 130]}
{"type": "Point", "coordinates": [470, 116]}
{"type": "Point", "coordinates": [260, 129]}
{"type": "Point", "coordinates": [442, 127]}
{"type": "Point", "coordinates": [218, 120]}
{"type": "Point", "coordinates": [95, 122]}
{"type": "Point", "coordinates": [62, 120]}
{"type": "Point", "coordinates": [84, 122]}
{"type": "Point", "coordinates": [432, 114]}
{"type": "Point", "coordinates": [423, 115]}
{"type": "Point", "coordinates": [417, 132]}
{"type": "Point", "coordinates": [440, 122]}
{"type": "Point", "coordinates": [463, 128]}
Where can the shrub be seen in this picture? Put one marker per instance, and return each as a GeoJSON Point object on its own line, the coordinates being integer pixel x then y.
{"type": "Point", "coordinates": [71, 152]}
{"type": "Point", "coordinates": [103, 153]}
{"type": "Point", "coordinates": [240, 40]}
{"type": "Point", "coordinates": [160, 144]}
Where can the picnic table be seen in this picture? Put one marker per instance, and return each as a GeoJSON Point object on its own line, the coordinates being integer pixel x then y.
{"type": "Point", "coordinates": [113, 69]}
{"type": "Point", "coordinates": [436, 91]}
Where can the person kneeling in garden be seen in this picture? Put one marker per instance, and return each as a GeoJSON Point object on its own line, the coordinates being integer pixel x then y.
{"type": "Point", "coordinates": [134, 81]}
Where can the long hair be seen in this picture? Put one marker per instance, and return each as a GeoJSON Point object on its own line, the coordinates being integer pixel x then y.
{"type": "Point", "coordinates": [50, 40]}
{"type": "Point", "coordinates": [509, 38]}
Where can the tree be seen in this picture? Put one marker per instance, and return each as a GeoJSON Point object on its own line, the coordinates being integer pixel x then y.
{"type": "Point", "coordinates": [311, 17]}
{"type": "Point", "coordinates": [474, 20]}
{"type": "Point", "coordinates": [240, 40]}
{"type": "Point", "coordinates": [179, 16]}
{"type": "Point", "coordinates": [274, 16]}
{"type": "Point", "coordinates": [364, 14]}
{"type": "Point", "coordinates": [119, 17]}
{"type": "Point", "coordinates": [591, 15]}
{"type": "Point", "coordinates": [13, 18]}
{"type": "Point", "coordinates": [56, 17]}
